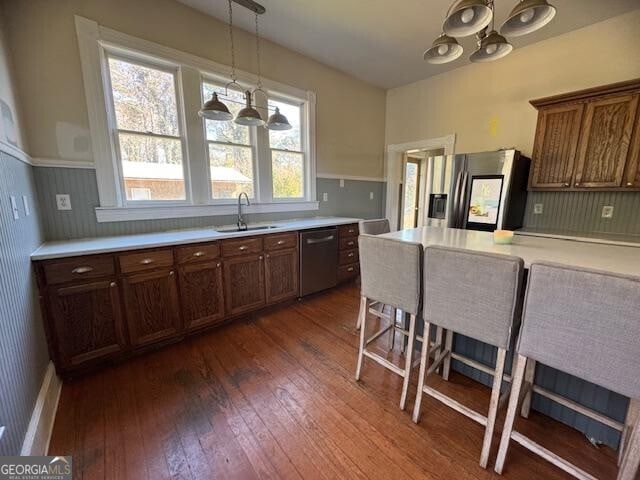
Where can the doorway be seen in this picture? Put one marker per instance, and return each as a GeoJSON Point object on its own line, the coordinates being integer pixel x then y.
{"type": "Point", "coordinates": [411, 192]}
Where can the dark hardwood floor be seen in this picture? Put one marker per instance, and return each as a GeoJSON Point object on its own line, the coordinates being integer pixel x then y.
{"type": "Point", "coordinates": [274, 396]}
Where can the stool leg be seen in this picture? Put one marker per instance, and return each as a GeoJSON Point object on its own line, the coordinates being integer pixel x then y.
{"type": "Point", "coordinates": [493, 407]}
{"type": "Point", "coordinates": [403, 317]}
{"type": "Point", "coordinates": [439, 338]}
{"type": "Point", "coordinates": [408, 360]}
{"type": "Point", "coordinates": [633, 413]}
{"type": "Point", "coordinates": [516, 386]}
{"type": "Point", "coordinates": [392, 330]}
{"type": "Point", "coordinates": [631, 460]}
{"type": "Point", "coordinates": [448, 345]}
{"type": "Point", "coordinates": [529, 376]}
{"type": "Point", "coordinates": [424, 364]}
{"type": "Point", "coordinates": [362, 318]}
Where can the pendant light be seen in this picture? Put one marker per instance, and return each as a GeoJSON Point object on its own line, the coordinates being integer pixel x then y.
{"type": "Point", "coordinates": [249, 116]}
{"type": "Point", "coordinates": [278, 121]}
{"type": "Point", "coordinates": [528, 16]}
{"type": "Point", "coordinates": [444, 49]}
{"type": "Point", "coordinates": [467, 17]}
{"type": "Point", "coordinates": [492, 47]}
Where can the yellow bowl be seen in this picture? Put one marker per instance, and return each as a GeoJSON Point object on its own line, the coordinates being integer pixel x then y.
{"type": "Point", "coordinates": [503, 237]}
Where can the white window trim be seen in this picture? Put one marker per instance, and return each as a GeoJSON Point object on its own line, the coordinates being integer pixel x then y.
{"type": "Point", "coordinates": [93, 41]}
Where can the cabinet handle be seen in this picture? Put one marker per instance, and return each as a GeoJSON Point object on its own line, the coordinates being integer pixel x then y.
{"type": "Point", "coordinates": [350, 243]}
{"type": "Point", "coordinates": [242, 248]}
{"type": "Point", "coordinates": [112, 284]}
{"type": "Point", "coordinates": [171, 273]}
{"type": "Point", "coordinates": [565, 184]}
{"type": "Point", "coordinates": [281, 242]}
{"type": "Point", "coordinates": [629, 184]}
{"type": "Point", "coordinates": [350, 254]}
{"type": "Point", "coordinates": [80, 270]}
{"type": "Point", "coordinates": [260, 257]}
{"type": "Point", "coordinates": [146, 261]}
{"type": "Point", "coordinates": [267, 255]}
{"type": "Point", "coordinates": [218, 265]}
{"type": "Point", "coordinates": [199, 254]}
{"type": "Point", "coordinates": [351, 230]}
{"type": "Point", "coordinates": [577, 184]}
{"type": "Point", "coordinates": [350, 269]}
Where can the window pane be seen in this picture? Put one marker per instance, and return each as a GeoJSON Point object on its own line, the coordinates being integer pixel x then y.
{"type": "Point", "coordinates": [226, 131]}
{"type": "Point", "coordinates": [231, 171]}
{"type": "Point", "coordinates": [144, 98]}
{"type": "Point", "coordinates": [153, 164]}
{"type": "Point", "coordinates": [286, 139]}
{"type": "Point", "coordinates": [288, 174]}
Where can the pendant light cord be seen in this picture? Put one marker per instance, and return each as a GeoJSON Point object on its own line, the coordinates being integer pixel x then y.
{"type": "Point", "coordinates": [258, 54]}
{"type": "Point", "coordinates": [233, 52]}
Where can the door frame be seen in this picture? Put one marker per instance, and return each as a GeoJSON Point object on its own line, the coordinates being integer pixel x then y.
{"type": "Point", "coordinates": [418, 162]}
{"type": "Point", "coordinates": [394, 171]}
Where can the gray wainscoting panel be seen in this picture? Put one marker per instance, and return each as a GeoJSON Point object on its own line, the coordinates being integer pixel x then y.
{"type": "Point", "coordinates": [582, 212]}
{"type": "Point", "coordinates": [23, 349]}
{"type": "Point", "coordinates": [80, 222]}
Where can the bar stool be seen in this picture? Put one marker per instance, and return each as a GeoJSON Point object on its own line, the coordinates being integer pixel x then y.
{"type": "Point", "coordinates": [585, 323]}
{"type": "Point", "coordinates": [478, 295]}
{"type": "Point", "coordinates": [391, 273]}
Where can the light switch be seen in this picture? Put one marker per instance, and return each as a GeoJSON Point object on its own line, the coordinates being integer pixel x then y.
{"type": "Point", "coordinates": [14, 208]}
{"type": "Point", "coordinates": [25, 204]}
{"type": "Point", "coordinates": [370, 195]}
{"type": "Point", "coordinates": [63, 201]}
{"type": "Point", "coordinates": [607, 211]}
{"type": "Point", "coordinates": [325, 197]}
{"type": "Point", "coordinates": [537, 208]}
{"type": "Point", "coordinates": [342, 183]}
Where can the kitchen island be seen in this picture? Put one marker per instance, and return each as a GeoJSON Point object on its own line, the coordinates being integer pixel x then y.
{"type": "Point", "coordinates": [619, 259]}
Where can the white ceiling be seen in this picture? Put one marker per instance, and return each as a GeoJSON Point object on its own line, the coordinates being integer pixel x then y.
{"type": "Point", "coordinates": [382, 41]}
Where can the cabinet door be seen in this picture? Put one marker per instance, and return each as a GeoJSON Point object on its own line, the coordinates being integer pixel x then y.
{"type": "Point", "coordinates": [244, 283]}
{"type": "Point", "coordinates": [87, 322]}
{"type": "Point", "coordinates": [632, 178]}
{"type": "Point", "coordinates": [554, 151]}
{"type": "Point", "coordinates": [201, 294]}
{"type": "Point", "coordinates": [604, 143]}
{"type": "Point", "coordinates": [151, 306]}
{"type": "Point", "coordinates": [281, 273]}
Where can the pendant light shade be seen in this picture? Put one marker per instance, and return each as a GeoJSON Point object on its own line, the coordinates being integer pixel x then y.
{"type": "Point", "coordinates": [467, 17]}
{"type": "Point", "coordinates": [492, 47]}
{"type": "Point", "coordinates": [249, 116]}
{"type": "Point", "coordinates": [214, 109]}
{"type": "Point", "coordinates": [528, 16]}
{"type": "Point", "coordinates": [278, 121]}
{"type": "Point", "coordinates": [444, 49]}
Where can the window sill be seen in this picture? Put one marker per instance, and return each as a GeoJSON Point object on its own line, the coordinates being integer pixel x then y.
{"type": "Point", "coordinates": [156, 212]}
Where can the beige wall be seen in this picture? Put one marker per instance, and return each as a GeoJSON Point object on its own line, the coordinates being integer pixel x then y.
{"type": "Point", "coordinates": [487, 105]}
{"type": "Point", "coordinates": [350, 113]}
{"type": "Point", "coordinates": [10, 131]}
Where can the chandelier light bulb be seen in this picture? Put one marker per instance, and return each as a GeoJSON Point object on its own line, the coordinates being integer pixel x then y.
{"type": "Point", "coordinates": [442, 49]}
{"type": "Point", "coordinates": [527, 15]}
{"type": "Point", "coordinates": [467, 15]}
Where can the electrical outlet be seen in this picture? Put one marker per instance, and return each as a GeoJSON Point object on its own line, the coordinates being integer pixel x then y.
{"type": "Point", "coordinates": [325, 197]}
{"type": "Point", "coordinates": [370, 195]}
{"type": "Point", "coordinates": [537, 208]}
{"type": "Point", "coordinates": [607, 211]}
{"type": "Point", "coordinates": [14, 208]}
{"type": "Point", "coordinates": [25, 204]}
{"type": "Point", "coordinates": [342, 183]}
{"type": "Point", "coordinates": [63, 201]}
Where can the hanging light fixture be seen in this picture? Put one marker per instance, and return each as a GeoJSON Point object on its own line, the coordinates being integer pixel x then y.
{"type": "Point", "coordinates": [528, 16]}
{"type": "Point", "coordinates": [491, 47]}
{"type": "Point", "coordinates": [278, 121]}
{"type": "Point", "coordinates": [249, 116]}
{"type": "Point", "coordinates": [444, 49]}
{"type": "Point", "coordinates": [467, 17]}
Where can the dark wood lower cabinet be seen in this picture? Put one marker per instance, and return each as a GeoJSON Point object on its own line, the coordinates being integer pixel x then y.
{"type": "Point", "coordinates": [86, 322]}
{"type": "Point", "coordinates": [281, 275]}
{"type": "Point", "coordinates": [244, 283]}
{"type": "Point", "coordinates": [151, 306]}
{"type": "Point", "coordinates": [202, 294]}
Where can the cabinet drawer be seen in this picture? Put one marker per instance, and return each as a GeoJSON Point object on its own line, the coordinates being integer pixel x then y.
{"type": "Point", "coordinates": [280, 241]}
{"type": "Point", "coordinates": [80, 268]}
{"type": "Point", "coordinates": [241, 246]}
{"type": "Point", "coordinates": [348, 271]}
{"type": "Point", "coordinates": [348, 256]}
{"type": "Point", "coordinates": [348, 243]}
{"type": "Point", "coordinates": [140, 262]}
{"type": "Point", "coordinates": [348, 230]}
{"type": "Point", "coordinates": [197, 253]}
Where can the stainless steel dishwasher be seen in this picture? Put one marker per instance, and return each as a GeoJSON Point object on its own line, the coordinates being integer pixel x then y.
{"type": "Point", "coordinates": [318, 260]}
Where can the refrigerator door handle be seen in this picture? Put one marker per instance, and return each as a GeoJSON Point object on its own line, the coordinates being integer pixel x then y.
{"type": "Point", "coordinates": [456, 200]}
{"type": "Point", "coordinates": [462, 205]}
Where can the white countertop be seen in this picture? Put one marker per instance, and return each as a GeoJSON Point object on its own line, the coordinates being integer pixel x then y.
{"type": "Point", "coordinates": [89, 246]}
{"type": "Point", "coordinates": [612, 258]}
{"type": "Point", "coordinates": [597, 237]}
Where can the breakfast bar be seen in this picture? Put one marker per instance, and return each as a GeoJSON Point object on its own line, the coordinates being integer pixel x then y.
{"type": "Point", "coordinates": [618, 259]}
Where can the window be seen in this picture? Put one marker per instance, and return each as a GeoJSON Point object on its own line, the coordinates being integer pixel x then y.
{"type": "Point", "coordinates": [229, 149]}
{"type": "Point", "coordinates": [287, 156]}
{"type": "Point", "coordinates": [156, 158]}
{"type": "Point", "coordinates": [148, 132]}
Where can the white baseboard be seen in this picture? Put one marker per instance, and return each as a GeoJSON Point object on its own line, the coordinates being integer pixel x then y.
{"type": "Point", "coordinates": [36, 440]}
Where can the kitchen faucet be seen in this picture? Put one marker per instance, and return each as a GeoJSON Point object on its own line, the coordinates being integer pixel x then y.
{"type": "Point", "coordinates": [241, 223]}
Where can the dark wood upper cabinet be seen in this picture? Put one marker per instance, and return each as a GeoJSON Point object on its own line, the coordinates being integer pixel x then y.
{"type": "Point", "coordinates": [243, 283]}
{"type": "Point", "coordinates": [151, 305]}
{"type": "Point", "coordinates": [554, 152]}
{"type": "Point", "coordinates": [86, 322]}
{"type": "Point", "coordinates": [281, 274]}
{"type": "Point", "coordinates": [604, 144]}
{"type": "Point", "coordinates": [201, 294]}
{"type": "Point", "coordinates": [588, 139]}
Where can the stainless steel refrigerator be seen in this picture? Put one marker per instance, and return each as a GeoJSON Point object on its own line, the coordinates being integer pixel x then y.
{"type": "Point", "coordinates": [477, 191]}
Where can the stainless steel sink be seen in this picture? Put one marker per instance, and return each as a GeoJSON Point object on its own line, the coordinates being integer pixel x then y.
{"type": "Point", "coordinates": [248, 229]}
